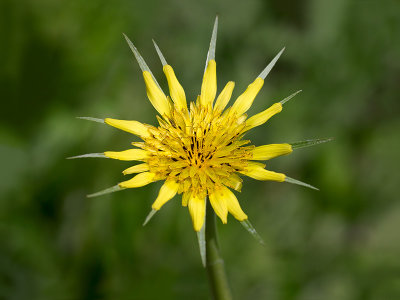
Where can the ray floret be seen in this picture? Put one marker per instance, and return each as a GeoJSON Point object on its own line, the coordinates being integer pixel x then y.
{"type": "Point", "coordinates": [175, 89]}
{"type": "Point", "coordinates": [154, 91]}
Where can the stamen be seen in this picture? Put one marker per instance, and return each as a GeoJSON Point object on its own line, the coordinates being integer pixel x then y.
{"type": "Point", "coordinates": [268, 68]}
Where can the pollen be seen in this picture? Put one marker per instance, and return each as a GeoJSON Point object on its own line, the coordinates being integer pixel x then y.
{"type": "Point", "coordinates": [199, 150]}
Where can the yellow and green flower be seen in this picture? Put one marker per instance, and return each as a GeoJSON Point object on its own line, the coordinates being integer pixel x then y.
{"type": "Point", "coordinates": [199, 148]}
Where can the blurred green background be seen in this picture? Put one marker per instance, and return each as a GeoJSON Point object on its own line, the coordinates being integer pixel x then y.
{"type": "Point", "coordinates": [62, 59]}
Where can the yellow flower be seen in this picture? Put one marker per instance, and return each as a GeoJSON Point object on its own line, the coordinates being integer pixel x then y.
{"type": "Point", "coordinates": [199, 150]}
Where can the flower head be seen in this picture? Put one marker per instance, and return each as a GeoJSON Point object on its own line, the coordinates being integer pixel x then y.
{"type": "Point", "coordinates": [199, 149]}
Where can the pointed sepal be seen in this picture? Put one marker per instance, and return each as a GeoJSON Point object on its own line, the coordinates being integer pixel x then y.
{"type": "Point", "coordinates": [201, 238]}
{"type": "Point", "coordinates": [142, 64]}
{"type": "Point", "coordinates": [298, 182]}
{"type": "Point", "coordinates": [113, 189]}
{"type": "Point", "coordinates": [160, 55]}
{"type": "Point", "coordinates": [289, 97]}
{"type": "Point", "coordinates": [268, 68]}
{"type": "Point", "coordinates": [91, 119]}
{"type": "Point", "coordinates": [247, 225]}
{"type": "Point", "coordinates": [96, 155]}
{"type": "Point", "coordinates": [213, 42]}
{"type": "Point", "coordinates": [309, 143]}
{"type": "Point", "coordinates": [149, 216]}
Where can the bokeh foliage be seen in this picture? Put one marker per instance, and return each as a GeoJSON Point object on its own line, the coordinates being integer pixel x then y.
{"type": "Point", "coordinates": [61, 59]}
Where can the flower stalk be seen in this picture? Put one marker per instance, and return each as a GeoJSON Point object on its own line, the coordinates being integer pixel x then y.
{"type": "Point", "coordinates": [214, 261]}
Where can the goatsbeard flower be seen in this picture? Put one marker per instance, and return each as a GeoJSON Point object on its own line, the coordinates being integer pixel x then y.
{"type": "Point", "coordinates": [199, 150]}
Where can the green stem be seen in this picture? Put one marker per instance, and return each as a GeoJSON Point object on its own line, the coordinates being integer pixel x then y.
{"type": "Point", "coordinates": [215, 263]}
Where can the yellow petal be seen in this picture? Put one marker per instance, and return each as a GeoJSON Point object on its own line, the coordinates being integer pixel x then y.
{"type": "Point", "coordinates": [219, 204]}
{"type": "Point", "coordinates": [136, 169]}
{"type": "Point", "coordinates": [270, 151]}
{"type": "Point", "coordinates": [139, 180]}
{"type": "Point", "coordinates": [224, 97]}
{"type": "Point", "coordinates": [233, 204]}
{"type": "Point", "coordinates": [156, 95]}
{"type": "Point", "coordinates": [131, 154]}
{"type": "Point", "coordinates": [197, 209]}
{"type": "Point", "coordinates": [263, 116]}
{"type": "Point", "coordinates": [209, 85]}
{"type": "Point", "coordinates": [133, 127]}
{"type": "Point", "coordinates": [258, 172]}
{"type": "Point", "coordinates": [175, 89]}
{"type": "Point", "coordinates": [245, 100]}
{"type": "Point", "coordinates": [167, 192]}
{"type": "Point", "coordinates": [185, 197]}
{"type": "Point", "coordinates": [233, 181]}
